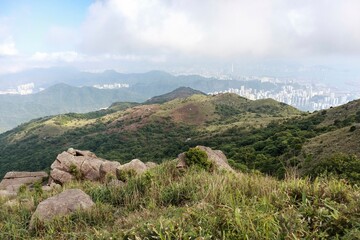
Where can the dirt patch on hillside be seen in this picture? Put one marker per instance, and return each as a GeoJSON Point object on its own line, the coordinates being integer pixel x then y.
{"type": "Point", "coordinates": [134, 118]}
{"type": "Point", "coordinates": [190, 114]}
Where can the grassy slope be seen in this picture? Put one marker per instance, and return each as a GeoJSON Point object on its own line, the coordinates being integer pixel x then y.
{"type": "Point", "coordinates": [167, 203]}
{"type": "Point", "coordinates": [149, 132]}
{"type": "Point", "coordinates": [337, 141]}
{"type": "Point", "coordinates": [182, 92]}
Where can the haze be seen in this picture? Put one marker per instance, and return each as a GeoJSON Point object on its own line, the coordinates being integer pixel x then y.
{"type": "Point", "coordinates": [307, 40]}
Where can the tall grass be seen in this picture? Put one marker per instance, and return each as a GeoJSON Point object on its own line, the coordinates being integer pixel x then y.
{"type": "Point", "coordinates": [168, 203]}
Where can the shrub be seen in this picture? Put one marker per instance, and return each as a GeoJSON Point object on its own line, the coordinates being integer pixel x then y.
{"type": "Point", "coordinates": [352, 128]}
{"type": "Point", "coordinates": [197, 157]}
{"type": "Point", "coordinates": [75, 171]}
{"type": "Point", "coordinates": [125, 174]}
{"type": "Point", "coordinates": [341, 165]}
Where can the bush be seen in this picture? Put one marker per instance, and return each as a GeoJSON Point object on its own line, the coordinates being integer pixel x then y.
{"type": "Point", "coordinates": [341, 165]}
{"type": "Point", "coordinates": [352, 128]}
{"type": "Point", "coordinates": [75, 172]}
{"type": "Point", "coordinates": [197, 157]}
{"type": "Point", "coordinates": [125, 174]}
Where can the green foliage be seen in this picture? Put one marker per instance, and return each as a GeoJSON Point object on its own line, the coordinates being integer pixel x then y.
{"type": "Point", "coordinates": [357, 116]}
{"type": "Point", "coordinates": [352, 129]}
{"type": "Point", "coordinates": [38, 187]}
{"type": "Point", "coordinates": [341, 165]}
{"type": "Point", "coordinates": [197, 157]}
{"type": "Point", "coordinates": [22, 189]}
{"type": "Point", "coordinates": [125, 174]}
{"type": "Point", "coordinates": [73, 170]}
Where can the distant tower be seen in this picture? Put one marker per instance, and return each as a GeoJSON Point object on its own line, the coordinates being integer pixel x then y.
{"type": "Point", "coordinates": [232, 68]}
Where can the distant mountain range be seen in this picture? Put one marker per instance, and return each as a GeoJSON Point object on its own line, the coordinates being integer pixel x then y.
{"type": "Point", "coordinates": [68, 90]}
{"type": "Point", "coordinates": [150, 83]}
{"type": "Point", "coordinates": [60, 98]}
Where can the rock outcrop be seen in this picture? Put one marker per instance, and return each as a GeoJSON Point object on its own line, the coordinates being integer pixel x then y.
{"type": "Point", "coordinates": [108, 168]}
{"type": "Point", "coordinates": [12, 181]}
{"type": "Point", "coordinates": [150, 165]}
{"type": "Point", "coordinates": [215, 156]}
{"type": "Point", "coordinates": [133, 168]}
{"type": "Point", "coordinates": [135, 165]}
{"type": "Point", "coordinates": [76, 164]}
{"type": "Point", "coordinates": [62, 204]}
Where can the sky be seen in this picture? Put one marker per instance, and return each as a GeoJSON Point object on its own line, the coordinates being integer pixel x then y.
{"type": "Point", "coordinates": [139, 35]}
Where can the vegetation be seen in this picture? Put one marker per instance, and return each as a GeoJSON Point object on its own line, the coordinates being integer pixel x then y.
{"type": "Point", "coordinates": [123, 133]}
{"type": "Point", "coordinates": [262, 135]}
{"type": "Point", "coordinates": [166, 203]}
{"type": "Point", "coordinates": [197, 157]}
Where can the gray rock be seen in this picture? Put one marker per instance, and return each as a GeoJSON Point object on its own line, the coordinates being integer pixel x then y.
{"type": "Point", "coordinates": [90, 168]}
{"type": "Point", "coordinates": [108, 168]}
{"type": "Point", "coordinates": [14, 180]}
{"type": "Point", "coordinates": [215, 156]}
{"type": "Point", "coordinates": [60, 176]}
{"type": "Point", "coordinates": [150, 165]}
{"type": "Point", "coordinates": [7, 195]}
{"type": "Point", "coordinates": [136, 165]}
{"type": "Point", "coordinates": [85, 153]}
{"type": "Point", "coordinates": [76, 164]}
{"type": "Point", "coordinates": [62, 204]}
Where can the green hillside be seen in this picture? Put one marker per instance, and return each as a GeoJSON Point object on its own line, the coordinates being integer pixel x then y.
{"type": "Point", "coordinates": [150, 132]}
{"type": "Point", "coordinates": [263, 135]}
{"type": "Point", "coordinates": [181, 92]}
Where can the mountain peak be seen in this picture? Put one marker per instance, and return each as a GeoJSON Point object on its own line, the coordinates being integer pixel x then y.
{"type": "Point", "coordinates": [181, 92]}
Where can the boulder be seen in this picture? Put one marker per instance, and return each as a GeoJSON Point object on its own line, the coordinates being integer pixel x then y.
{"type": "Point", "coordinates": [90, 168]}
{"type": "Point", "coordinates": [60, 176]}
{"type": "Point", "coordinates": [134, 165]}
{"type": "Point", "coordinates": [84, 153]}
{"type": "Point", "coordinates": [108, 168]}
{"type": "Point", "coordinates": [7, 194]}
{"type": "Point", "coordinates": [14, 180]}
{"type": "Point", "coordinates": [62, 204]}
{"type": "Point", "coordinates": [150, 165]}
{"type": "Point", "coordinates": [76, 164]}
{"type": "Point", "coordinates": [215, 156]}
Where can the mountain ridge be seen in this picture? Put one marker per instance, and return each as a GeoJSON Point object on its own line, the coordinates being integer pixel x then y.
{"type": "Point", "coordinates": [126, 125]}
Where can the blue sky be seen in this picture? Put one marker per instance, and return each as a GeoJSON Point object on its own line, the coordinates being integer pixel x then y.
{"type": "Point", "coordinates": [186, 35]}
{"type": "Point", "coordinates": [30, 21]}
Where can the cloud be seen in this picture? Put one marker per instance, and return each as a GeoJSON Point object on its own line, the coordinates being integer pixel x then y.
{"type": "Point", "coordinates": [7, 47]}
{"type": "Point", "coordinates": [69, 56]}
{"type": "Point", "coordinates": [164, 34]}
{"type": "Point", "coordinates": [223, 29]}
{"type": "Point", "coordinates": [134, 26]}
{"type": "Point", "coordinates": [7, 43]}
{"type": "Point", "coordinates": [60, 37]}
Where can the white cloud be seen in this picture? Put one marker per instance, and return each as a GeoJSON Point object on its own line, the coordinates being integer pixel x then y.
{"type": "Point", "coordinates": [134, 26]}
{"type": "Point", "coordinates": [57, 56]}
{"type": "Point", "coordinates": [158, 33]}
{"type": "Point", "coordinates": [60, 38]}
{"type": "Point", "coordinates": [7, 47]}
{"type": "Point", "coordinates": [223, 29]}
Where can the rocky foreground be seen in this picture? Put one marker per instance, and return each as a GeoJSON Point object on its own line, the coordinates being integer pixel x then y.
{"type": "Point", "coordinates": [79, 165]}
